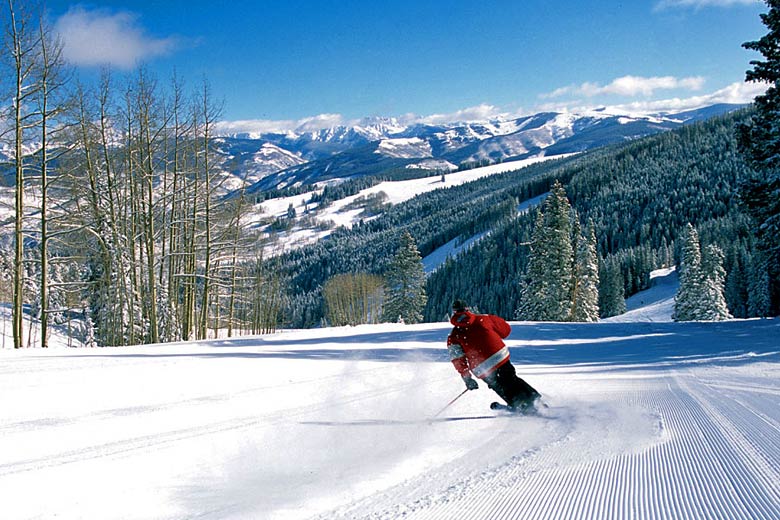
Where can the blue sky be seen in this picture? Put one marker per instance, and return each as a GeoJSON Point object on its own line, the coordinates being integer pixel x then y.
{"type": "Point", "coordinates": [286, 63]}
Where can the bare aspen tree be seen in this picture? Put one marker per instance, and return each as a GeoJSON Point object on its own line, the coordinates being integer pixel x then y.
{"type": "Point", "coordinates": [51, 83]}
{"type": "Point", "coordinates": [131, 212]}
{"type": "Point", "coordinates": [267, 295]}
{"type": "Point", "coordinates": [118, 261]}
{"type": "Point", "coordinates": [23, 47]}
{"type": "Point", "coordinates": [234, 261]}
{"type": "Point", "coordinates": [209, 113]}
{"type": "Point", "coordinates": [230, 246]}
{"type": "Point", "coordinates": [89, 170]}
{"type": "Point", "coordinates": [353, 299]}
{"type": "Point", "coordinates": [98, 180]}
{"type": "Point", "coordinates": [189, 218]}
{"type": "Point", "coordinates": [150, 132]}
{"type": "Point", "coordinates": [174, 189]}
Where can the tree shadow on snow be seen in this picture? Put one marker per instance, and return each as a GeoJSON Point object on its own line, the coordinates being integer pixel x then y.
{"type": "Point", "coordinates": [604, 346]}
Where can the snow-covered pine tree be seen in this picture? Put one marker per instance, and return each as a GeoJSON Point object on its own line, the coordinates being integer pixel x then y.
{"type": "Point", "coordinates": [405, 296]}
{"type": "Point", "coordinates": [169, 326]}
{"type": "Point", "coordinates": [688, 298]}
{"type": "Point", "coordinates": [533, 286]}
{"type": "Point", "coordinates": [714, 306]}
{"type": "Point", "coordinates": [665, 254]}
{"type": "Point", "coordinates": [89, 330]}
{"type": "Point", "coordinates": [560, 254]}
{"type": "Point", "coordinates": [612, 300]}
{"type": "Point", "coordinates": [758, 299]}
{"type": "Point", "coordinates": [736, 286]}
{"type": "Point", "coordinates": [759, 141]}
{"type": "Point", "coordinates": [576, 234]}
{"type": "Point", "coordinates": [702, 282]}
{"type": "Point", "coordinates": [585, 298]}
{"type": "Point", "coordinates": [546, 294]}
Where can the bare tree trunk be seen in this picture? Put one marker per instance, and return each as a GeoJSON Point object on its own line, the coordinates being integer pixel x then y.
{"type": "Point", "coordinates": [25, 52]}
{"type": "Point", "coordinates": [117, 256]}
{"type": "Point", "coordinates": [17, 309]}
{"type": "Point", "coordinates": [50, 82]}
{"type": "Point", "coordinates": [148, 135]}
{"type": "Point", "coordinates": [130, 217]}
{"type": "Point", "coordinates": [177, 216]}
{"type": "Point", "coordinates": [189, 324]}
{"type": "Point", "coordinates": [209, 113]}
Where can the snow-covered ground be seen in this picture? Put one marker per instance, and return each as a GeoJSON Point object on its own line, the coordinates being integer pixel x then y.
{"type": "Point", "coordinates": [656, 304]}
{"type": "Point", "coordinates": [646, 419]}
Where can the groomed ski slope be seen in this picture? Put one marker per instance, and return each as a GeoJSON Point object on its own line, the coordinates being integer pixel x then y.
{"type": "Point", "coordinates": [646, 420]}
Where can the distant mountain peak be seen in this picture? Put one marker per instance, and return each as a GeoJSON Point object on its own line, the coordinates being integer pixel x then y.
{"type": "Point", "coordinates": [377, 144]}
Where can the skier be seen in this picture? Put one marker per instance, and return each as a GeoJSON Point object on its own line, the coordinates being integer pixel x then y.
{"type": "Point", "coordinates": [476, 347]}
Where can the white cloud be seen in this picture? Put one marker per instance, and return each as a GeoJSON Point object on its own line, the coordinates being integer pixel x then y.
{"type": "Point", "coordinates": [280, 126]}
{"type": "Point", "coordinates": [318, 122]}
{"type": "Point", "coordinates": [482, 112]}
{"type": "Point", "coordinates": [699, 4]}
{"type": "Point", "coordinates": [629, 86]}
{"type": "Point", "coordinates": [736, 93]}
{"type": "Point", "coordinates": [255, 126]}
{"type": "Point", "coordinates": [101, 37]}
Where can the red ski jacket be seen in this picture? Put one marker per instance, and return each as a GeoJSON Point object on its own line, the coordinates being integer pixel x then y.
{"type": "Point", "coordinates": [476, 343]}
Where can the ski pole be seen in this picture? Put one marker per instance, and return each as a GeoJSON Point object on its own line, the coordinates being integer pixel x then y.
{"type": "Point", "coordinates": [450, 403]}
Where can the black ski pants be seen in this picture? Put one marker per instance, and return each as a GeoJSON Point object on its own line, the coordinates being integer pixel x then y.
{"type": "Point", "coordinates": [508, 386]}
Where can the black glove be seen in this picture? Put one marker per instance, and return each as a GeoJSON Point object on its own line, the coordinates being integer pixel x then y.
{"type": "Point", "coordinates": [471, 383]}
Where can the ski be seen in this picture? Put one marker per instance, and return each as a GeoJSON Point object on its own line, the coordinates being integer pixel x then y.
{"type": "Point", "coordinates": [529, 410]}
{"type": "Point", "coordinates": [510, 409]}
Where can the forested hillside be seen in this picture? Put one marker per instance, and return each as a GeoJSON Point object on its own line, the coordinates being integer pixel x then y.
{"type": "Point", "coordinates": [638, 196]}
{"type": "Point", "coordinates": [433, 219]}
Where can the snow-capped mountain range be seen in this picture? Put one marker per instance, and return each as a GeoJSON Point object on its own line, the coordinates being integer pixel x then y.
{"type": "Point", "coordinates": [378, 145]}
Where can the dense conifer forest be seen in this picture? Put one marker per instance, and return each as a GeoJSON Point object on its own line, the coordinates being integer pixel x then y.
{"type": "Point", "coordinates": [639, 197]}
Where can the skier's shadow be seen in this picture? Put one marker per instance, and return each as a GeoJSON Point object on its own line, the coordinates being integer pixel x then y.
{"type": "Point", "coordinates": [389, 422]}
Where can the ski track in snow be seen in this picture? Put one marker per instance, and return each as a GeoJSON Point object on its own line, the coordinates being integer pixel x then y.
{"type": "Point", "coordinates": [648, 420]}
{"type": "Point", "coordinates": [713, 456]}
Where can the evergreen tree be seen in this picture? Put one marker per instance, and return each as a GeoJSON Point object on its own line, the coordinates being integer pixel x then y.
{"type": "Point", "coordinates": [702, 282]}
{"type": "Point", "coordinates": [758, 301]}
{"type": "Point", "coordinates": [559, 254]}
{"type": "Point", "coordinates": [405, 284]}
{"type": "Point", "coordinates": [533, 286]}
{"type": "Point", "coordinates": [547, 291]}
{"type": "Point", "coordinates": [89, 331]}
{"type": "Point", "coordinates": [665, 254]}
{"type": "Point", "coordinates": [714, 306]}
{"type": "Point", "coordinates": [170, 328]}
{"type": "Point", "coordinates": [759, 140]}
{"type": "Point", "coordinates": [736, 288]}
{"type": "Point", "coordinates": [687, 299]}
{"type": "Point", "coordinates": [585, 300]}
{"type": "Point", "coordinates": [612, 301]}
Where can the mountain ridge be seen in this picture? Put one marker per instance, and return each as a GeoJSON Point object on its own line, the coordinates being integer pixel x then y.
{"type": "Point", "coordinates": [384, 145]}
